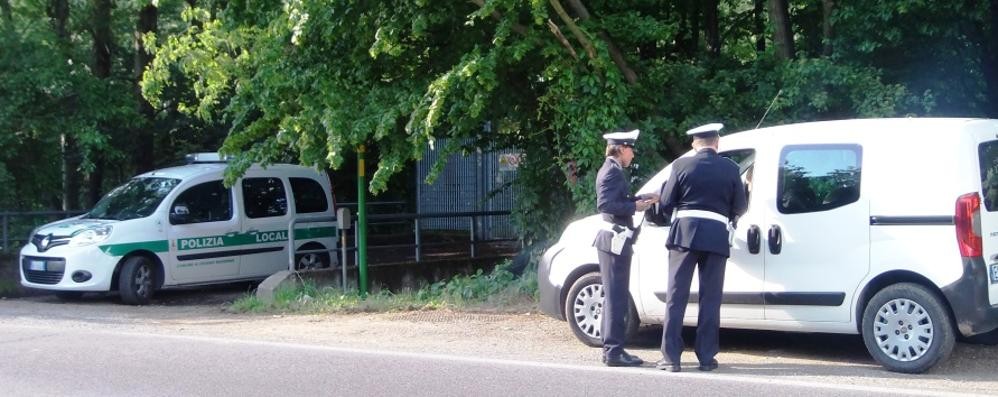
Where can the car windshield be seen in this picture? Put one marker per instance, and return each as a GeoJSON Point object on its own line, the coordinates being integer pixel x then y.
{"type": "Point", "coordinates": [136, 199]}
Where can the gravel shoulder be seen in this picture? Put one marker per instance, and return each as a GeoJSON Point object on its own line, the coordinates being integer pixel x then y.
{"type": "Point", "coordinates": [524, 336]}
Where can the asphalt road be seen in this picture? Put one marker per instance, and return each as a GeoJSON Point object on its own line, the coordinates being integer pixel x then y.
{"type": "Point", "coordinates": [43, 361]}
{"type": "Point", "coordinates": [186, 344]}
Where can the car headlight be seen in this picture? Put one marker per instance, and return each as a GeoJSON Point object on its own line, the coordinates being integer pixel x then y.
{"type": "Point", "coordinates": [90, 236]}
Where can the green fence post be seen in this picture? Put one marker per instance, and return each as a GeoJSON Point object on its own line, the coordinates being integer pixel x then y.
{"type": "Point", "coordinates": [361, 223]}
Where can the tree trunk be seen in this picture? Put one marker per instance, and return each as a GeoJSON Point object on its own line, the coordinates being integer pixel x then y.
{"type": "Point", "coordinates": [827, 8]}
{"type": "Point", "coordinates": [615, 54]}
{"type": "Point", "coordinates": [102, 37]}
{"type": "Point", "coordinates": [96, 181]}
{"type": "Point", "coordinates": [689, 28]}
{"type": "Point", "coordinates": [58, 13]}
{"type": "Point", "coordinates": [145, 159]}
{"type": "Point", "coordinates": [102, 70]}
{"type": "Point", "coordinates": [759, 25]}
{"type": "Point", "coordinates": [8, 15]}
{"type": "Point", "coordinates": [989, 59]}
{"type": "Point", "coordinates": [711, 27]}
{"type": "Point", "coordinates": [783, 38]}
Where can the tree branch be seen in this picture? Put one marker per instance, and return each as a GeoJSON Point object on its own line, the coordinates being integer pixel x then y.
{"type": "Point", "coordinates": [562, 39]}
{"type": "Point", "coordinates": [579, 35]}
{"type": "Point", "coordinates": [495, 14]}
{"type": "Point", "coordinates": [615, 54]}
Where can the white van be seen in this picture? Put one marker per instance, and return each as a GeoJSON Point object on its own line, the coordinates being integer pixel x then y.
{"type": "Point", "coordinates": [886, 228]}
{"type": "Point", "coordinates": [181, 226]}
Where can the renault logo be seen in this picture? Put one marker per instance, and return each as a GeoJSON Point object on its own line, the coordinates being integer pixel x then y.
{"type": "Point", "coordinates": [44, 244]}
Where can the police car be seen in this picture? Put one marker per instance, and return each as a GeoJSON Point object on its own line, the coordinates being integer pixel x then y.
{"type": "Point", "coordinates": [181, 226]}
{"type": "Point", "coordinates": [886, 228]}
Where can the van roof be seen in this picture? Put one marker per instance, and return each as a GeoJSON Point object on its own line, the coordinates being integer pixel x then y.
{"type": "Point", "coordinates": [191, 170]}
{"type": "Point", "coordinates": [906, 126]}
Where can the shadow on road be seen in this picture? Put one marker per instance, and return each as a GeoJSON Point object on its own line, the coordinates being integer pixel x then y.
{"type": "Point", "coordinates": [213, 295]}
{"type": "Point", "coordinates": [815, 354]}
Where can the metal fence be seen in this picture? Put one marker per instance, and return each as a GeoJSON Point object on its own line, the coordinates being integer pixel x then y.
{"type": "Point", "coordinates": [16, 227]}
{"type": "Point", "coordinates": [414, 244]}
{"type": "Point", "coordinates": [481, 181]}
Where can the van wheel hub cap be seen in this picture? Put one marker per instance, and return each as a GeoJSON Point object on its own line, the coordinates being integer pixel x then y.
{"type": "Point", "coordinates": [588, 310]}
{"type": "Point", "coordinates": [143, 280]}
{"type": "Point", "coordinates": [903, 330]}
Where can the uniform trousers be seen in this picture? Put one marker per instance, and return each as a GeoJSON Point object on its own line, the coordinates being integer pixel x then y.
{"type": "Point", "coordinates": [615, 272]}
{"type": "Point", "coordinates": [682, 262]}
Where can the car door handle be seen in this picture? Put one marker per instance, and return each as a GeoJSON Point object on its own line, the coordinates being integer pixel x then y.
{"type": "Point", "coordinates": [753, 239]}
{"type": "Point", "coordinates": [775, 239]}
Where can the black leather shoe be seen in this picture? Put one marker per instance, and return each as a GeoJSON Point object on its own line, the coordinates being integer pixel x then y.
{"type": "Point", "coordinates": [632, 358]}
{"type": "Point", "coordinates": [665, 365]}
{"type": "Point", "coordinates": [622, 360]}
{"type": "Point", "coordinates": [712, 365]}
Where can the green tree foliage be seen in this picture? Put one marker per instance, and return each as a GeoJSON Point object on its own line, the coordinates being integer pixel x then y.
{"type": "Point", "coordinates": [312, 80]}
{"type": "Point", "coordinates": [50, 94]}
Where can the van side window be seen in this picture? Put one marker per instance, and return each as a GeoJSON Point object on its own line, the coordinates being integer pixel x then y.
{"type": "Point", "coordinates": [745, 158]}
{"type": "Point", "coordinates": [309, 196]}
{"type": "Point", "coordinates": [205, 202]}
{"type": "Point", "coordinates": [264, 197]}
{"type": "Point", "coordinates": [818, 177]}
{"type": "Point", "coordinates": [987, 154]}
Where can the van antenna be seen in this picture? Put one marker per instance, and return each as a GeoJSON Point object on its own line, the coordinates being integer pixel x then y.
{"type": "Point", "coordinates": [770, 107]}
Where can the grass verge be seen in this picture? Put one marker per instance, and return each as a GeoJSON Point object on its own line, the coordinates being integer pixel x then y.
{"type": "Point", "coordinates": [498, 291]}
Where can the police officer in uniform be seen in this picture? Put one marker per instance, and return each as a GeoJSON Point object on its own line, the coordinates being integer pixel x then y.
{"type": "Point", "coordinates": [705, 196]}
{"type": "Point", "coordinates": [613, 243]}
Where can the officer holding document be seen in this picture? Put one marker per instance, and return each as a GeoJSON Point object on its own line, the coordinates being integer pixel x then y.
{"type": "Point", "coordinates": [614, 240]}
{"type": "Point", "coordinates": [705, 196]}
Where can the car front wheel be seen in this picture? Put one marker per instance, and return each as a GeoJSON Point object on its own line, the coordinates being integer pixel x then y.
{"type": "Point", "coordinates": [584, 310]}
{"type": "Point", "coordinates": [136, 281]}
{"type": "Point", "coordinates": [907, 329]}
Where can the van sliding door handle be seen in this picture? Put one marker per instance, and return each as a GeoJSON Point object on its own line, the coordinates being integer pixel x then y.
{"type": "Point", "coordinates": [775, 239]}
{"type": "Point", "coordinates": [753, 239]}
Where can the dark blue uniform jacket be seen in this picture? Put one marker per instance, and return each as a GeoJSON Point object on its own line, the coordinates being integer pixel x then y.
{"type": "Point", "coordinates": [705, 181]}
{"type": "Point", "coordinates": [614, 201]}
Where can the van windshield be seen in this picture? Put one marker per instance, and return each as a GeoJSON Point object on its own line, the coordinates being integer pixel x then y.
{"type": "Point", "coordinates": [136, 199]}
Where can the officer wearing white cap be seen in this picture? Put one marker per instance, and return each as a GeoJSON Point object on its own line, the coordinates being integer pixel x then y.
{"type": "Point", "coordinates": [613, 243]}
{"type": "Point", "coordinates": [705, 196]}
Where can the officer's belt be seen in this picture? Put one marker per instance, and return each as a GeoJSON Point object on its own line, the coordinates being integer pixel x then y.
{"type": "Point", "coordinates": [702, 215]}
{"type": "Point", "coordinates": [609, 226]}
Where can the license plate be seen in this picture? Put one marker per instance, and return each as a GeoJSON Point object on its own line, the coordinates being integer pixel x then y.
{"type": "Point", "coordinates": [38, 266]}
{"type": "Point", "coordinates": [994, 273]}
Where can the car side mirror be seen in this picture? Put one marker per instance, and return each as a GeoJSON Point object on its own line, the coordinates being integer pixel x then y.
{"type": "Point", "coordinates": [180, 214]}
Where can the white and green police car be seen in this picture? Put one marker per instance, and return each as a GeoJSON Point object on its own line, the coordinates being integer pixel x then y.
{"type": "Point", "coordinates": [181, 226]}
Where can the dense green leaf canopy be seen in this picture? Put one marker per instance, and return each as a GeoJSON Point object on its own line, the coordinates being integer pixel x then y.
{"type": "Point", "coordinates": [312, 80]}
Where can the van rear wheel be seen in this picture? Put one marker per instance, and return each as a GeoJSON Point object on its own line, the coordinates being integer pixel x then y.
{"type": "Point", "coordinates": [584, 311]}
{"type": "Point", "coordinates": [907, 329]}
{"type": "Point", "coordinates": [312, 260]}
{"type": "Point", "coordinates": [136, 281]}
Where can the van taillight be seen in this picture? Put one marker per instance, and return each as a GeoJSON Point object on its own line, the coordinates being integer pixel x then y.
{"type": "Point", "coordinates": [968, 225]}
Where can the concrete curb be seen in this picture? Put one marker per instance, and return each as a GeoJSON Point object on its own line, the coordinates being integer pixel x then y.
{"type": "Point", "coordinates": [265, 291]}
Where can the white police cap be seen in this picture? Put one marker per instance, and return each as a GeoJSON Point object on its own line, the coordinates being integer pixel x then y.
{"type": "Point", "coordinates": [706, 130]}
{"type": "Point", "coordinates": [625, 138]}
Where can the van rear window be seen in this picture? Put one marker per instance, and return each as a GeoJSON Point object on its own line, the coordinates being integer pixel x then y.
{"type": "Point", "coordinates": [818, 177]}
{"type": "Point", "coordinates": [987, 153]}
{"type": "Point", "coordinates": [309, 196]}
{"type": "Point", "coordinates": [264, 197]}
